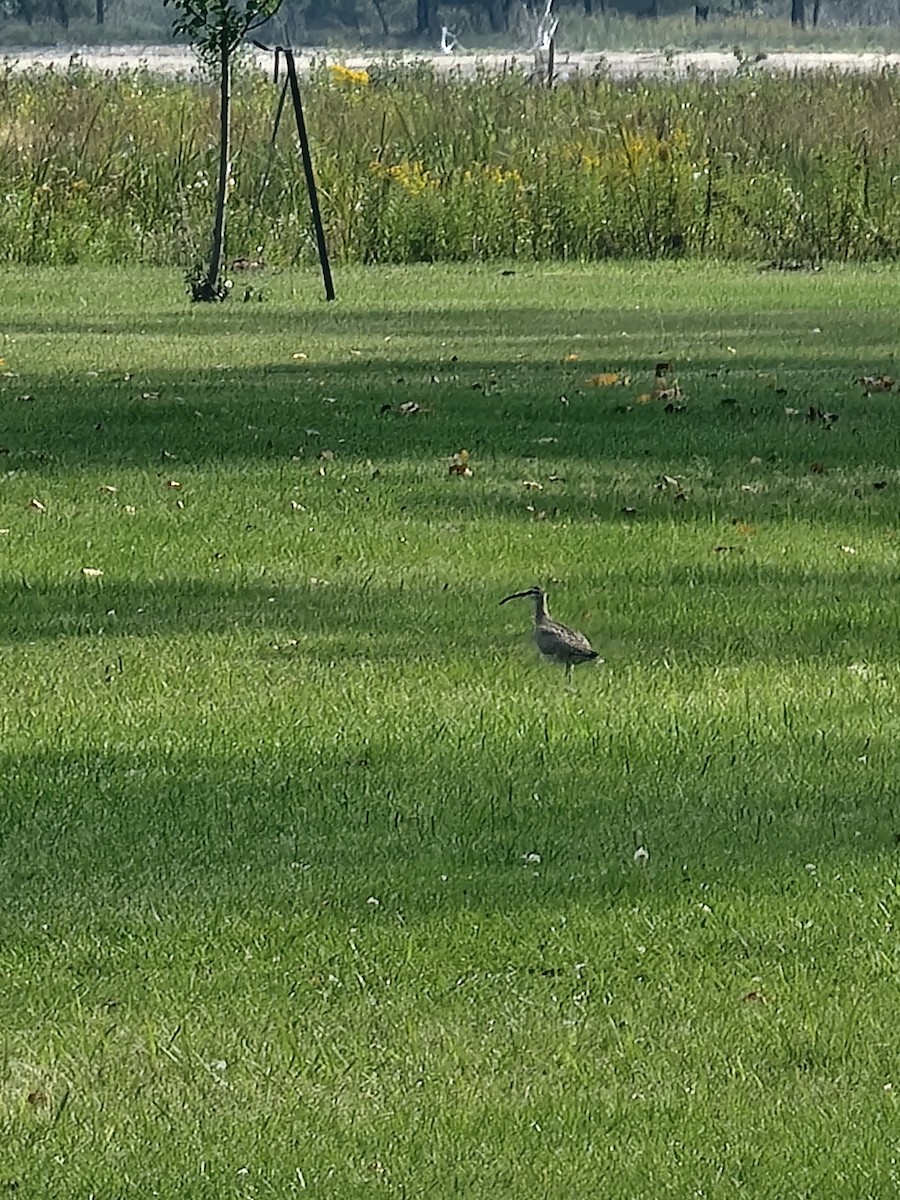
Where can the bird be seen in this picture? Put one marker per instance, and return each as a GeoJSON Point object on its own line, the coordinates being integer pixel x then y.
{"type": "Point", "coordinates": [555, 641]}
{"type": "Point", "coordinates": [449, 41]}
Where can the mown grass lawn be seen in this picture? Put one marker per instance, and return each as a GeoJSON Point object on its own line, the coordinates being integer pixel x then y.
{"type": "Point", "coordinates": [314, 879]}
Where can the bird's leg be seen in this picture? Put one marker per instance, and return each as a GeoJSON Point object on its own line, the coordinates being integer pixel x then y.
{"type": "Point", "coordinates": [569, 675]}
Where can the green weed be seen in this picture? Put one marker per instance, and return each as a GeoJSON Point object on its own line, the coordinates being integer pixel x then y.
{"type": "Point", "coordinates": [415, 166]}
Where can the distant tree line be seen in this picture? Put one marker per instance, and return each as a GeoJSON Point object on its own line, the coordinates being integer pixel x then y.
{"type": "Point", "coordinates": [311, 20]}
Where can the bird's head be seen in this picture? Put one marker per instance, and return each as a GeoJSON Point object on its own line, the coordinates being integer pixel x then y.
{"type": "Point", "coordinates": [533, 593]}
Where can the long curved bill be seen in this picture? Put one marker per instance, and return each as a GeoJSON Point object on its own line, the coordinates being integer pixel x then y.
{"type": "Point", "coordinates": [516, 596]}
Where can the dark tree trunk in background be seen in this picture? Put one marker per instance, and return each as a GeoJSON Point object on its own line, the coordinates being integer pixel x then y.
{"type": "Point", "coordinates": [816, 7]}
{"type": "Point", "coordinates": [701, 13]}
{"type": "Point", "coordinates": [498, 15]}
{"type": "Point", "coordinates": [798, 14]}
{"type": "Point", "coordinates": [381, 17]}
{"type": "Point", "coordinates": [62, 13]}
{"type": "Point", "coordinates": [101, 12]}
{"type": "Point", "coordinates": [424, 18]}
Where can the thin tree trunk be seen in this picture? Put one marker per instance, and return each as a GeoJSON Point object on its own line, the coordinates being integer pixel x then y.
{"type": "Point", "coordinates": [798, 14]}
{"type": "Point", "coordinates": [100, 12]}
{"type": "Point", "coordinates": [816, 7]}
{"type": "Point", "coordinates": [211, 287]}
{"type": "Point", "coordinates": [379, 8]}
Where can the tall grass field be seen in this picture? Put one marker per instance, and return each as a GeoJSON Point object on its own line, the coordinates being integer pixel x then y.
{"type": "Point", "coordinates": [418, 166]}
{"type": "Point", "coordinates": [316, 880]}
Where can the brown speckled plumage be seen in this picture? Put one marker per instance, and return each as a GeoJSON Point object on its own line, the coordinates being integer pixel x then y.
{"type": "Point", "coordinates": [555, 641]}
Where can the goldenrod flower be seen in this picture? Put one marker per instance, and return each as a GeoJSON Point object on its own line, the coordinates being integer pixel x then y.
{"type": "Point", "coordinates": [347, 77]}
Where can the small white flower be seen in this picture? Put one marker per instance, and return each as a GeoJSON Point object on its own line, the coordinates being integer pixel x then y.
{"type": "Point", "coordinates": [810, 867]}
{"type": "Point", "coordinates": [374, 901]}
{"type": "Point", "coordinates": [219, 1065]}
{"type": "Point", "coordinates": [531, 858]}
{"type": "Point", "coordinates": [641, 856]}
{"type": "Point", "coordinates": [705, 909]}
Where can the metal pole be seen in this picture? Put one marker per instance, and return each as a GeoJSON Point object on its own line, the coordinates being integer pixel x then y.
{"type": "Point", "coordinates": [308, 170]}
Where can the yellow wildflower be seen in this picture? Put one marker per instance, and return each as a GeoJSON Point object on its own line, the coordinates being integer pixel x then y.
{"type": "Point", "coordinates": [411, 176]}
{"type": "Point", "coordinates": [348, 77]}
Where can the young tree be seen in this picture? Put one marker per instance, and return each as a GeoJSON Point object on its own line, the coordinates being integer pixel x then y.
{"type": "Point", "coordinates": [216, 28]}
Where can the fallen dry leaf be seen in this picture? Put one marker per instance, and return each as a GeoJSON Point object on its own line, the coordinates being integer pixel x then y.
{"type": "Point", "coordinates": [571, 358]}
{"type": "Point", "coordinates": [849, 549]}
{"type": "Point", "coordinates": [666, 481]}
{"type": "Point", "coordinates": [875, 383]}
{"type": "Point", "coordinates": [173, 483]}
{"type": "Point", "coordinates": [604, 379]}
{"type": "Point", "coordinates": [532, 485]}
{"type": "Point", "coordinates": [816, 414]}
{"type": "Point", "coordinates": [459, 464]}
{"type": "Point", "coordinates": [38, 506]}
{"type": "Point", "coordinates": [91, 572]}
{"type": "Point", "coordinates": [108, 489]}
{"type": "Point", "coordinates": [299, 356]}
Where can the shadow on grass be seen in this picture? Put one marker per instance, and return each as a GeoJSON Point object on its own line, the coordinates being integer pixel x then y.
{"type": "Point", "coordinates": [704, 615]}
{"type": "Point", "coordinates": [304, 825]}
{"type": "Point", "coordinates": [281, 415]}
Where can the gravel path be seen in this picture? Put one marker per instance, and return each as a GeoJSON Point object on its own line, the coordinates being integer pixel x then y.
{"type": "Point", "coordinates": [176, 60]}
